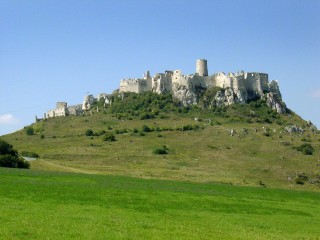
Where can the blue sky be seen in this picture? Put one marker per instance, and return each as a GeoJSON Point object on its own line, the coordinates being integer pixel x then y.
{"type": "Point", "coordinates": [59, 50]}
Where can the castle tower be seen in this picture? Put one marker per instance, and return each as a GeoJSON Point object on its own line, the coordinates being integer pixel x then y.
{"type": "Point", "coordinates": [201, 67]}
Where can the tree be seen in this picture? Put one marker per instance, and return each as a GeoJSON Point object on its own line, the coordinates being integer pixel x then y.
{"type": "Point", "coordinates": [29, 130]}
{"type": "Point", "coordinates": [10, 158]}
{"type": "Point", "coordinates": [6, 148]}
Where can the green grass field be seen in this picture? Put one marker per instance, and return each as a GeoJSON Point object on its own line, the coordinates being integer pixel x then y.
{"type": "Point", "coordinates": [251, 184]}
{"type": "Point", "coordinates": [49, 205]}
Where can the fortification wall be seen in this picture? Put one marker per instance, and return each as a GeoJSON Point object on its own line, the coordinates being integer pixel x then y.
{"type": "Point", "coordinates": [58, 112]}
{"type": "Point", "coordinates": [144, 85]}
{"type": "Point", "coordinates": [61, 105]}
{"type": "Point", "coordinates": [162, 82]}
{"type": "Point", "coordinates": [222, 80]}
{"type": "Point", "coordinates": [74, 110]}
{"type": "Point", "coordinates": [129, 85]}
{"type": "Point", "coordinates": [256, 81]}
{"type": "Point", "coordinates": [178, 78]}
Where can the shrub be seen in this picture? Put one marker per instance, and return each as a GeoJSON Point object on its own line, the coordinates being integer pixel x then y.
{"type": "Point", "coordinates": [135, 130]}
{"type": "Point", "coordinates": [159, 151]}
{"type": "Point", "coordinates": [121, 131]}
{"type": "Point", "coordinates": [301, 179]}
{"type": "Point", "coordinates": [306, 149]}
{"type": "Point", "coordinates": [29, 130]}
{"type": "Point", "coordinates": [144, 116]}
{"type": "Point", "coordinates": [146, 128]}
{"type": "Point", "coordinates": [109, 137]}
{"type": "Point", "coordinates": [89, 132]}
{"type": "Point", "coordinates": [10, 158]}
{"type": "Point", "coordinates": [98, 133]}
{"type": "Point", "coordinates": [13, 162]}
{"type": "Point", "coordinates": [6, 148]}
{"type": "Point", "coordinates": [188, 127]}
{"type": "Point", "coordinates": [142, 134]}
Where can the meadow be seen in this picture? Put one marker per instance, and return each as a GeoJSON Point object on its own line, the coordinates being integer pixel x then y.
{"type": "Point", "coordinates": [56, 205]}
{"type": "Point", "coordinates": [257, 153]}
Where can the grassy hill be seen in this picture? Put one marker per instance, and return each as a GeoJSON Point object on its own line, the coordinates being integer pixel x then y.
{"type": "Point", "coordinates": [240, 144]}
{"type": "Point", "coordinates": [48, 205]}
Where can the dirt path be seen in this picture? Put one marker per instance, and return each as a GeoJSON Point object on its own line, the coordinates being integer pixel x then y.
{"type": "Point", "coordinates": [50, 166]}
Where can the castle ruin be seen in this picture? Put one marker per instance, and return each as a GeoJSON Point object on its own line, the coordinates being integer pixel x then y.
{"type": "Point", "coordinates": [239, 87]}
{"type": "Point", "coordinates": [63, 110]}
{"type": "Point", "coordinates": [165, 82]}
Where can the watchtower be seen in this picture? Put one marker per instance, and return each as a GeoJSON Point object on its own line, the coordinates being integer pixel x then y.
{"type": "Point", "coordinates": [201, 67]}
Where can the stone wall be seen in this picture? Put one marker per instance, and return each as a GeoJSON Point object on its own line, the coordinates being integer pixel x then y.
{"type": "Point", "coordinates": [62, 110]}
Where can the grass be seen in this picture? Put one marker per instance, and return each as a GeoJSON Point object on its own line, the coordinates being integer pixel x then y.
{"type": "Point", "coordinates": [50, 205]}
{"type": "Point", "coordinates": [205, 154]}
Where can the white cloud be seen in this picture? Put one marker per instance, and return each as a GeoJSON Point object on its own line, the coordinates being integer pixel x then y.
{"type": "Point", "coordinates": [8, 119]}
{"type": "Point", "coordinates": [316, 93]}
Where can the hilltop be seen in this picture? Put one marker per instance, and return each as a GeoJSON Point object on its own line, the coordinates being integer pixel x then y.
{"type": "Point", "coordinates": [241, 144]}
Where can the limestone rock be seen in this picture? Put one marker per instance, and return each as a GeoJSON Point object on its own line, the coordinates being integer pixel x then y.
{"type": "Point", "coordinates": [184, 94]}
{"type": "Point", "coordinates": [274, 102]}
{"type": "Point", "coordinates": [294, 129]}
{"type": "Point", "coordinates": [87, 102]}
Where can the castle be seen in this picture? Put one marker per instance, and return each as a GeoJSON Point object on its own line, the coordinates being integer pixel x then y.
{"type": "Point", "coordinates": [239, 87]}
{"type": "Point", "coordinates": [166, 82]}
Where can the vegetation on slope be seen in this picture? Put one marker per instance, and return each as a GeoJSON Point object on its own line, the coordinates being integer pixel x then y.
{"type": "Point", "coordinates": [240, 144]}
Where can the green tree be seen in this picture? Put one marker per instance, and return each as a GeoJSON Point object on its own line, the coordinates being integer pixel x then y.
{"type": "Point", "coordinates": [10, 158]}
{"type": "Point", "coordinates": [29, 130]}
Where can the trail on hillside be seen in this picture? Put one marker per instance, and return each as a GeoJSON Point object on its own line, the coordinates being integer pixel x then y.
{"type": "Point", "coordinates": [40, 164]}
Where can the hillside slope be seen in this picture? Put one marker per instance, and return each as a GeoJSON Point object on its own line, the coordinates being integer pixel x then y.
{"type": "Point", "coordinates": [244, 144]}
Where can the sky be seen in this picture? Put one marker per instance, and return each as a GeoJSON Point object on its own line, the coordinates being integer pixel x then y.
{"type": "Point", "coordinates": [54, 51]}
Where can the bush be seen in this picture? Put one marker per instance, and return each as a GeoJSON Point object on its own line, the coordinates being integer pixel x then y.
{"type": "Point", "coordinates": [188, 127]}
{"type": "Point", "coordinates": [29, 130]}
{"type": "Point", "coordinates": [6, 148]}
{"type": "Point", "coordinates": [146, 128]}
{"type": "Point", "coordinates": [109, 137]}
{"type": "Point", "coordinates": [142, 134]}
{"type": "Point", "coordinates": [98, 133]}
{"type": "Point", "coordinates": [121, 131]}
{"type": "Point", "coordinates": [10, 158]}
{"type": "Point", "coordinates": [306, 149]}
{"type": "Point", "coordinates": [13, 162]}
{"type": "Point", "coordinates": [135, 130]}
{"type": "Point", "coordinates": [301, 179]}
{"type": "Point", "coordinates": [160, 151]}
{"type": "Point", "coordinates": [89, 132]}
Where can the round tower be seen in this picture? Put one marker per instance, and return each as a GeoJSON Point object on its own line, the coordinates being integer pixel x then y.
{"type": "Point", "coordinates": [201, 67]}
